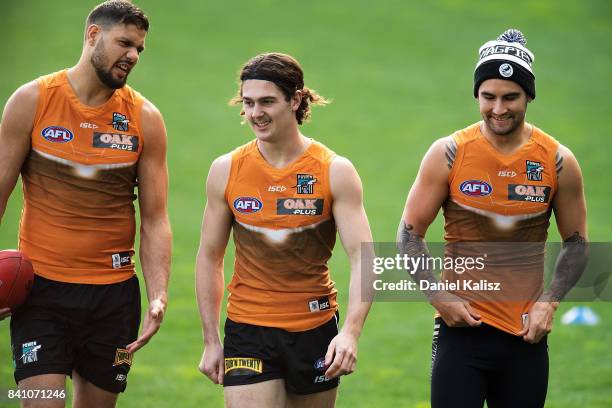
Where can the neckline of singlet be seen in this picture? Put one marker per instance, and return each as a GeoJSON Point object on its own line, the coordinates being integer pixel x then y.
{"type": "Point", "coordinates": [528, 143]}
{"type": "Point", "coordinates": [74, 98]}
{"type": "Point", "coordinates": [289, 166]}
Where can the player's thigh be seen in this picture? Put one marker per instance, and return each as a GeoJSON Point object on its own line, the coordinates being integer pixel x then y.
{"type": "Point", "coordinates": [456, 381]}
{"type": "Point", "coordinates": [88, 395]}
{"type": "Point", "coordinates": [324, 399]}
{"type": "Point", "coordinates": [523, 380]}
{"type": "Point", "coordinates": [48, 391]}
{"type": "Point", "coordinates": [266, 394]}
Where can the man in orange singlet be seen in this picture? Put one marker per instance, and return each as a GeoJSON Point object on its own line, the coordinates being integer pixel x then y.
{"type": "Point", "coordinates": [82, 140]}
{"type": "Point", "coordinates": [284, 195]}
{"type": "Point", "coordinates": [497, 181]}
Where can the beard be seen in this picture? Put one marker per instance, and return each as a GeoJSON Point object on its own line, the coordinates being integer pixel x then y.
{"type": "Point", "coordinates": [513, 123]}
{"type": "Point", "coordinates": [99, 61]}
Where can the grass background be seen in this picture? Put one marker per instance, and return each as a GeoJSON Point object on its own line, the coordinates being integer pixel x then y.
{"type": "Point", "coordinates": [400, 76]}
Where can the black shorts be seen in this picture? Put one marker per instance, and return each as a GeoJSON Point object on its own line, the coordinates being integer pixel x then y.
{"type": "Point", "coordinates": [474, 364]}
{"type": "Point", "coordinates": [65, 326]}
{"type": "Point", "coordinates": [255, 353]}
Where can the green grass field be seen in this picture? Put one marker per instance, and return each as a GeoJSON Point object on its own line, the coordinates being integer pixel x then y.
{"type": "Point", "coordinates": [400, 75]}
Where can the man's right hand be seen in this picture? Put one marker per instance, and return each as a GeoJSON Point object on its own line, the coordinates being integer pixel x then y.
{"type": "Point", "coordinates": [212, 363]}
{"type": "Point", "coordinates": [455, 311]}
{"type": "Point", "coordinates": [4, 313]}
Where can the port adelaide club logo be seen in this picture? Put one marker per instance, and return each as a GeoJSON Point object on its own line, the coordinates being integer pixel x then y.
{"type": "Point", "coordinates": [305, 184]}
{"type": "Point", "coordinates": [120, 122]}
{"type": "Point", "coordinates": [534, 170]}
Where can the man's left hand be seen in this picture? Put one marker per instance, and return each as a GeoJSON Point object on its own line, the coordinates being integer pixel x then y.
{"type": "Point", "coordinates": [341, 356]}
{"type": "Point", "coordinates": [539, 323]}
{"type": "Point", "coordinates": [152, 322]}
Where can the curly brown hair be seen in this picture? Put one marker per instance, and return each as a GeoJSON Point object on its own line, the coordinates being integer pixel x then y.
{"type": "Point", "coordinates": [286, 73]}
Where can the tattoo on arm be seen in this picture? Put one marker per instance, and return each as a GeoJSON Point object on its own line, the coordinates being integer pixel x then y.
{"type": "Point", "coordinates": [570, 265]}
{"type": "Point", "coordinates": [413, 245]}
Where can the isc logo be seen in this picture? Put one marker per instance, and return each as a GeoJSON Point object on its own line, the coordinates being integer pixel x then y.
{"type": "Point", "coordinates": [247, 205]}
{"type": "Point", "coordinates": [318, 305]}
{"type": "Point", "coordinates": [57, 134]}
{"type": "Point", "coordinates": [475, 188]}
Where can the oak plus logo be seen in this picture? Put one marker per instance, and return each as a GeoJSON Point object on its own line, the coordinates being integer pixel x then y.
{"type": "Point", "coordinates": [526, 192]}
{"type": "Point", "coordinates": [116, 141]}
{"type": "Point", "coordinates": [299, 206]}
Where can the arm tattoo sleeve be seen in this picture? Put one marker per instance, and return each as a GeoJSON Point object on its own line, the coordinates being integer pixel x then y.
{"type": "Point", "coordinates": [413, 245]}
{"type": "Point", "coordinates": [570, 265]}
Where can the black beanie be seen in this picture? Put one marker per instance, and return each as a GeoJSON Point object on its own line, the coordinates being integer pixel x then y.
{"type": "Point", "coordinates": [506, 58]}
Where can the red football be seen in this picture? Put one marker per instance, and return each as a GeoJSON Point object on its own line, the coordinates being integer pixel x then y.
{"type": "Point", "coordinates": [16, 278]}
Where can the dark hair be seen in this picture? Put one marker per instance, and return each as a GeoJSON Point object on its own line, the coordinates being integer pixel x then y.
{"type": "Point", "coordinates": [113, 12]}
{"type": "Point", "coordinates": [286, 73]}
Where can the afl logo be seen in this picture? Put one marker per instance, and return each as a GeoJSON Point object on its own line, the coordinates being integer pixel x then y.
{"type": "Point", "coordinates": [475, 188]}
{"type": "Point", "coordinates": [320, 364]}
{"type": "Point", "coordinates": [506, 70]}
{"type": "Point", "coordinates": [57, 134]}
{"type": "Point", "coordinates": [247, 205]}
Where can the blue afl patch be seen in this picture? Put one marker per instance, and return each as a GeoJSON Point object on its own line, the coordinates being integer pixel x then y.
{"type": "Point", "coordinates": [320, 364]}
{"type": "Point", "coordinates": [247, 205]}
{"type": "Point", "coordinates": [475, 188]}
{"type": "Point", "coordinates": [57, 134]}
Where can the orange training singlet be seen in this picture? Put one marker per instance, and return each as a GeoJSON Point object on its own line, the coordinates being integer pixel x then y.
{"type": "Point", "coordinates": [284, 234]}
{"type": "Point", "coordinates": [500, 204]}
{"type": "Point", "coordinates": [78, 221]}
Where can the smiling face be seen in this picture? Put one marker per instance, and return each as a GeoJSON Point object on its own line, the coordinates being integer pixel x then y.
{"type": "Point", "coordinates": [268, 112]}
{"type": "Point", "coordinates": [503, 105]}
{"type": "Point", "coordinates": [115, 52]}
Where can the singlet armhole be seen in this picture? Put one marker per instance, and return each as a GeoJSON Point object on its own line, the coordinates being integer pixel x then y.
{"type": "Point", "coordinates": [41, 103]}
{"type": "Point", "coordinates": [328, 190]}
{"type": "Point", "coordinates": [140, 101]}
{"type": "Point", "coordinates": [555, 173]}
{"type": "Point", "coordinates": [552, 148]}
{"type": "Point", "coordinates": [231, 176]}
{"type": "Point", "coordinates": [458, 158]}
